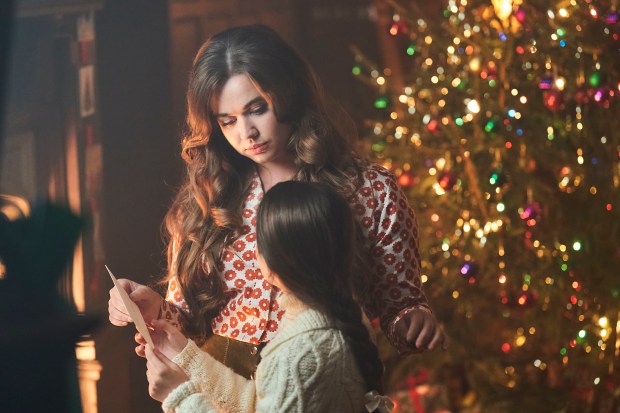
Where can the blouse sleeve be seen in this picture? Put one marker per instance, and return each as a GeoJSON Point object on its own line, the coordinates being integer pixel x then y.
{"type": "Point", "coordinates": [172, 307]}
{"type": "Point", "coordinates": [391, 231]}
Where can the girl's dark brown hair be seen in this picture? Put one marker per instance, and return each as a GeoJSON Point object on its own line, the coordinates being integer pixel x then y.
{"type": "Point", "coordinates": [307, 235]}
{"type": "Point", "coordinates": [206, 212]}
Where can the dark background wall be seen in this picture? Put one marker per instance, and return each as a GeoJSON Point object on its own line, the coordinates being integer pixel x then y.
{"type": "Point", "coordinates": [6, 12]}
{"type": "Point", "coordinates": [142, 168]}
{"type": "Point", "coordinates": [326, 31]}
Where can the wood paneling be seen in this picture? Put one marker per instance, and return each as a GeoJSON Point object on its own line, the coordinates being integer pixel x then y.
{"type": "Point", "coordinates": [327, 30]}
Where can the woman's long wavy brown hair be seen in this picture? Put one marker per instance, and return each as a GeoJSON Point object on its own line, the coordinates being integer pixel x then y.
{"type": "Point", "coordinates": [206, 212]}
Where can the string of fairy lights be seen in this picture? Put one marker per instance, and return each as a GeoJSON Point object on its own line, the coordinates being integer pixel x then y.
{"type": "Point", "coordinates": [487, 89]}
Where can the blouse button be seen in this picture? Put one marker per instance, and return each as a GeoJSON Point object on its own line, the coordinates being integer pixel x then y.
{"type": "Point", "coordinates": [253, 351]}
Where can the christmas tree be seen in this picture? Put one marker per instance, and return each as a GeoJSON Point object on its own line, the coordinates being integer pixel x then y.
{"type": "Point", "coordinates": [501, 120]}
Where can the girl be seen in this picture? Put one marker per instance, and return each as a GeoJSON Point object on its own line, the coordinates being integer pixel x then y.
{"type": "Point", "coordinates": [322, 358]}
{"type": "Point", "coordinates": [257, 117]}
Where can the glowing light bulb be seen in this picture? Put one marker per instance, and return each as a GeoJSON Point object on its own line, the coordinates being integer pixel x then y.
{"type": "Point", "coordinates": [474, 66]}
{"type": "Point", "coordinates": [473, 106]}
{"type": "Point", "coordinates": [560, 83]}
{"type": "Point", "coordinates": [503, 8]}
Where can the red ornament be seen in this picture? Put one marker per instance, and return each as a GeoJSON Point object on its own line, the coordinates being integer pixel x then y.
{"type": "Point", "coordinates": [527, 299]}
{"type": "Point", "coordinates": [582, 96]}
{"type": "Point", "coordinates": [554, 100]}
{"type": "Point", "coordinates": [447, 180]}
{"type": "Point", "coordinates": [406, 180]}
{"type": "Point", "coordinates": [433, 126]}
{"type": "Point", "coordinates": [490, 71]}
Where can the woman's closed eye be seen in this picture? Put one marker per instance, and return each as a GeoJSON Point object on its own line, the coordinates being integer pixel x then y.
{"type": "Point", "coordinates": [258, 109]}
{"type": "Point", "coordinates": [225, 122]}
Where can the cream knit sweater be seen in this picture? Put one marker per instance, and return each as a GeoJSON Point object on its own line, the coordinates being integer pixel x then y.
{"type": "Point", "coordinates": [307, 367]}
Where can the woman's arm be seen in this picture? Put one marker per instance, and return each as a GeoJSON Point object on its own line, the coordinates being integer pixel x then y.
{"type": "Point", "coordinates": [395, 294]}
{"type": "Point", "coordinates": [174, 307]}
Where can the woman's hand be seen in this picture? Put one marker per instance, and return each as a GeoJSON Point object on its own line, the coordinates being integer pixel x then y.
{"type": "Point", "coordinates": [419, 330]}
{"type": "Point", "coordinates": [148, 302]}
{"type": "Point", "coordinates": [163, 375]}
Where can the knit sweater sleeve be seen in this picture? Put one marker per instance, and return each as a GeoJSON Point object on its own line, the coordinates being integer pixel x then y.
{"type": "Point", "coordinates": [187, 398]}
{"type": "Point", "coordinates": [218, 385]}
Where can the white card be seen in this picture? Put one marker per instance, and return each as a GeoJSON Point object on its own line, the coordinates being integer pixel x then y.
{"type": "Point", "coordinates": [133, 310]}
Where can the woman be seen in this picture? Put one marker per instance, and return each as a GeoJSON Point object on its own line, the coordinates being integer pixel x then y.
{"type": "Point", "coordinates": [257, 117]}
{"type": "Point", "coordinates": [322, 358]}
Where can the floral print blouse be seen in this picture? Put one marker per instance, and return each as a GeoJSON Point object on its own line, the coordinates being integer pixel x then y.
{"type": "Point", "coordinates": [388, 223]}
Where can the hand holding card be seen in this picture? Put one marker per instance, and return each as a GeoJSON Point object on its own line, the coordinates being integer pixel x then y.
{"type": "Point", "coordinates": [133, 310]}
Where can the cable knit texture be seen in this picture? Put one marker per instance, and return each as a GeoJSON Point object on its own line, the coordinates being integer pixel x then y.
{"type": "Point", "coordinates": [307, 367]}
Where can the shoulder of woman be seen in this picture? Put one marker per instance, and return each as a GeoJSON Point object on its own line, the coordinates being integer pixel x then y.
{"type": "Point", "coordinates": [371, 171]}
{"type": "Point", "coordinates": [376, 180]}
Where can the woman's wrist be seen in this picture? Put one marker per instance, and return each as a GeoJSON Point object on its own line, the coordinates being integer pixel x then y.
{"type": "Point", "coordinates": [171, 313]}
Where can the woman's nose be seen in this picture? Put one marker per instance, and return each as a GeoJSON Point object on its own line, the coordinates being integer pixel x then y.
{"type": "Point", "coordinates": [248, 129]}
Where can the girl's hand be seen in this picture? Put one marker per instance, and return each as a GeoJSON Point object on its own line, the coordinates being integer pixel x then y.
{"type": "Point", "coordinates": [148, 302]}
{"type": "Point", "coordinates": [163, 375]}
{"type": "Point", "coordinates": [419, 330]}
{"type": "Point", "coordinates": [167, 338]}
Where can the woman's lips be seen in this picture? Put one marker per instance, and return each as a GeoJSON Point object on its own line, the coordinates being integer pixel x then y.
{"type": "Point", "coordinates": [256, 149]}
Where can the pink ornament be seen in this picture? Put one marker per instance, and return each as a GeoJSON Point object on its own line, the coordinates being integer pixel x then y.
{"type": "Point", "coordinates": [520, 16]}
{"type": "Point", "coordinates": [531, 211]}
{"type": "Point", "coordinates": [602, 95]}
{"type": "Point", "coordinates": [612, 18]}
{"type": "Point", "coordinates": [546, 83]}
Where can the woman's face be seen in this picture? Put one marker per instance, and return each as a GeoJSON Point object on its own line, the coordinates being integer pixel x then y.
{"type": "Point", "coordinates": [248, 121]}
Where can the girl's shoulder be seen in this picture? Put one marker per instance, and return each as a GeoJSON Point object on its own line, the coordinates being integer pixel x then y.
{"type": "Point", "coordinates": [310, 323]}
{"type": "Point", "coordinates": [309, 349]}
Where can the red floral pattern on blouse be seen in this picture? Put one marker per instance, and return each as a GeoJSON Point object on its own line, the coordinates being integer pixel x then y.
{"type": "Point", "coordinates": [391, 234]}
